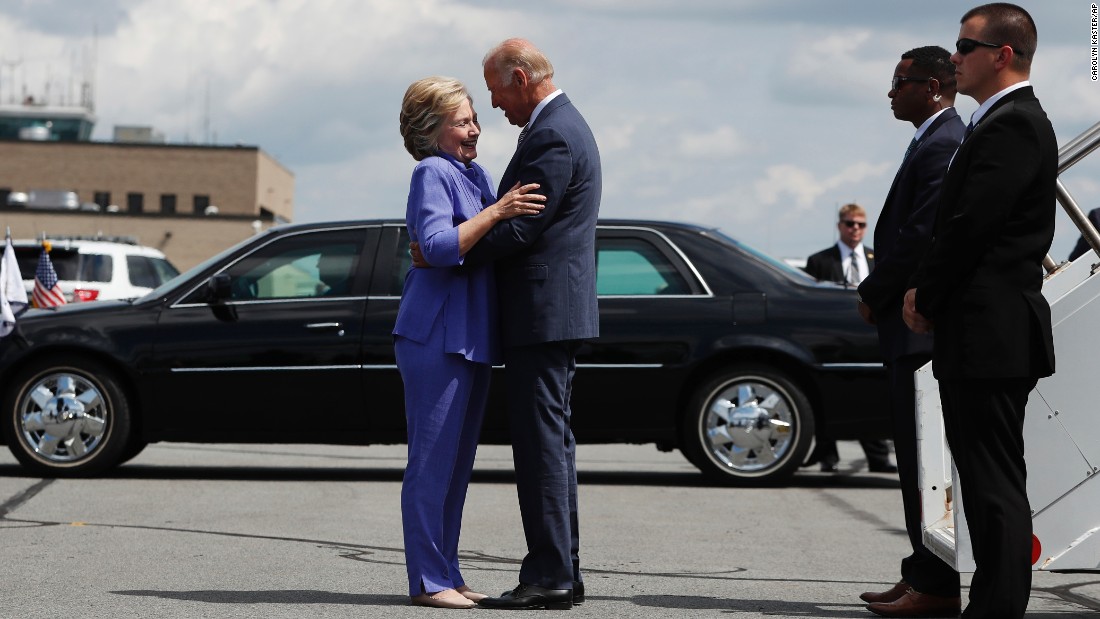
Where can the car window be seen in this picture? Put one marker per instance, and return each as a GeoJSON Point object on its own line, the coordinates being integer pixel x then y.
{"type": "Point", "coordinates": [763, 257]}
{"type": "Point", "coordinates": [402, 261]}
{"type": "Point", "coordinates": [165, 270]}
{"type": "Point", "coordinates": [299, 266]}
{"type": "Point", "coordinates": [149, 272]}
{"type": "Point", "coordinates": [635, 267]}
{"type": "Point", "coordinates": [93, 268]}
{"type": "Point", "coordinates": [65, 262]}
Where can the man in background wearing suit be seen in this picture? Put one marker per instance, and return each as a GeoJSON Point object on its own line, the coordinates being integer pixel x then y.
{"type": "Point", "coordinates": [546, 283]}
{"type": "Point", "coordinates": [1082, 245]}
{"type": "Point", "coordinates": [922, 92]}
{"type": "Point", "coordinates": [848, 262]}
{"type": "Point", "coordinates": [979, 290]}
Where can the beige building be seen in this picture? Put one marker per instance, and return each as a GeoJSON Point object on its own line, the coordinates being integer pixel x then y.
{"type": "Point", "coordinates": [189, 201]}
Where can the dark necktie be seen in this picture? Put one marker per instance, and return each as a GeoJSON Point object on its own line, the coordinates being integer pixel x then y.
{"type": "Point", "coordinates": [969, 130]}
{"type": "Point", "coordinates": [522, 134]}
{"type": "Point", "coordinates": [908, 151]}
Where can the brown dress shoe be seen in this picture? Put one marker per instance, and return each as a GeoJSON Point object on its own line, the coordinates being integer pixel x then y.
{"type": "Point", "coordinates": [890, 595]}
{"type": "Point", "coordinates": [917, 604]}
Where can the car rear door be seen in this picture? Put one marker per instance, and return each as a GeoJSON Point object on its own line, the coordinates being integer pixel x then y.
{"type": "Point", "coordinates": [652, 303]}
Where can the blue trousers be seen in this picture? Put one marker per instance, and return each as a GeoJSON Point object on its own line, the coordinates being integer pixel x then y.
{"type": "Point", "coordinates": [540, 383]}
{"type": "Point", "coordinates": [445, 396]}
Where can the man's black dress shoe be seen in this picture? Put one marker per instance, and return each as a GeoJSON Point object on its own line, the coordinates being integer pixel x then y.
{"type": "Point", "coordinates": [578, 592]}
{"type": "Point", "coordinates": [530, 596]}
{"type": "Point", "coordinates": [829, 467]}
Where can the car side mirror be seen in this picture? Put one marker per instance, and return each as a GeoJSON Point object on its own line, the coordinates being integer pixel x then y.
{"type": "Point", "coordinates": [218, 288]}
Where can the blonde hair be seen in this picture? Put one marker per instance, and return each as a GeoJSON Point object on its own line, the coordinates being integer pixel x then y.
{"type": "Point", "coordinates": [426, 105]}
{"type": "Point", "coordinates": [518, 53]}
{"type": "Point", "coordinates": [850, 209]}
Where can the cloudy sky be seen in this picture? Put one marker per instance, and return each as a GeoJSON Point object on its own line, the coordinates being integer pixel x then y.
{"type": "Point", "coordinates": [760, 117]}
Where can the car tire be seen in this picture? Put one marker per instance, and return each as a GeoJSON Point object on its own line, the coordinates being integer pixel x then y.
{"type": "Point", "coordinates": [66, 417]}
{"type": "Point", "coordinates": [748, 425]}
{"type": "Point", "coordinates": [133, 449]}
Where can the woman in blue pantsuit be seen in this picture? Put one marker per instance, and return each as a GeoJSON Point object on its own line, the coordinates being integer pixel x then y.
{"type": "Point", "coordinates": [445, 338]}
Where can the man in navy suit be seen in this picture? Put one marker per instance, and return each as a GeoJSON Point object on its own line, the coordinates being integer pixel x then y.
{"type": "Point", "coordinates": [922, 92]}
{"type": "Point", "coordinates": [546, 283]}
{"type": "Point", "coordinates": [848, 262]}
{"type": "Point", "coordinates": [979, 290]}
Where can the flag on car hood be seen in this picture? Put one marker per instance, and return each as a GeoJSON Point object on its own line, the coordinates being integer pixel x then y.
{"type": "Point", "coordinates": [13, 297]}
{"type": "Point", "coordinates": [46, 292]}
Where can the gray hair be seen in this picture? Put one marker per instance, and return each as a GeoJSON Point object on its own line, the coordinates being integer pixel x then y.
{"type": "Point", "coordinates": [425, 107]}
{"type": "Point", "coordinates": [518, 53]}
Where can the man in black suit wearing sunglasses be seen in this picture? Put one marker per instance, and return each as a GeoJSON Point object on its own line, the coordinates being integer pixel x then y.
{"type": "Point", "coordinates": [979, 291]}
{"type": "Point", "coordinates": [922, 93]}
{"type": "Point", "coordinates": [847, 262]}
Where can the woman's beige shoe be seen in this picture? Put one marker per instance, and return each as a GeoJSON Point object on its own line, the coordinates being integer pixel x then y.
{"type": "Point", "coordinates": [447, 598]}
{"type": "Point", "coordinates": [470, 594]}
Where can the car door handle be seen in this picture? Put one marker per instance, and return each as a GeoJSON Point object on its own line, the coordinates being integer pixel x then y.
{"type": "Point", "coordinates": [326, 325]}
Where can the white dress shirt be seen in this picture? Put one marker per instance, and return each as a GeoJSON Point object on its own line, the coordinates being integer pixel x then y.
{"type": "Point", "coordinates": [847, 254]}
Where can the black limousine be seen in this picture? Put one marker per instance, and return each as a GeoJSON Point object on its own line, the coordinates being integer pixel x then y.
{"type": "Point", "coordinates": [706, 345]}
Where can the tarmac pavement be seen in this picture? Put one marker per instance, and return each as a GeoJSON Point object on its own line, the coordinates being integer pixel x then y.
{"type": "Point", "coordinates": [190, 530]}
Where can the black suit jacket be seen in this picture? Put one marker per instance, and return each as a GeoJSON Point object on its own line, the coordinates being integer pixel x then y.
{"type": "Point", "coordinates": [981, 282]}
{"type": "Point", "coordinates": [903, 234]}
{"type": "Point", "coordinates": [826, 265]}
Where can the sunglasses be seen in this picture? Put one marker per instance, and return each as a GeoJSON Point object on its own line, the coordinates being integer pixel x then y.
{"type": "Point", "coordinates": [854, 224]}
{"type": "Point", "coordinates": [898, 80]}
{"type": "Point", "coordinates": [965, 46]}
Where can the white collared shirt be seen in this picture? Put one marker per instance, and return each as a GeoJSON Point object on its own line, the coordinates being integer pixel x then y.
{"type": "Point", "coordinates": [846, 255]}
{"type": "Point", "coordinates": [928, 123]}
{"type": "Point", "coordinates": [538, 108]}
{"type": "Point", "coordinates": [979, 113]}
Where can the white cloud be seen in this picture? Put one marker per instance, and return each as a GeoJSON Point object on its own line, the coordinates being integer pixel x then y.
{"type": "Point", "coordinates": [722, 141]}
{"type": "Point", "coordinates": [806, 188]}
{"type": "Point", "coordinates": [757, 117]}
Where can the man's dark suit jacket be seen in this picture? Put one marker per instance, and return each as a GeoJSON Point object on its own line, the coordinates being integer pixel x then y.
{"type": "Point", "coordinates": [546, 271]}
{"type": "Point", "coordinates": [826, 265]}
{"type": "Point", "coordinates": [1082, 245]}
{"type": "Point", "coordinates": [981, 282]}
{"type": "Point", "coordinates": [904, 233]}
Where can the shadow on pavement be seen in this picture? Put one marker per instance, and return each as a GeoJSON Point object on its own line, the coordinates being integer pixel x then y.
{"type": "Point", "coordinates": [275, 596]}
{"type": "Point", "coordinates": [392, 474]}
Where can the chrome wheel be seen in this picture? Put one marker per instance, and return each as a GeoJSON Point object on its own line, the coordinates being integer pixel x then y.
{"type": "Point", "coordinates": [63, 417]}
{"type": "Point", "coordinates": [66, 417]}
{"type": "Point", "coordinates": [749, 425]}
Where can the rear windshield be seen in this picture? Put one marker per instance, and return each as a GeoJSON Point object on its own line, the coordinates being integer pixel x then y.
{"type": "Point", "coordinates": [69, 264]}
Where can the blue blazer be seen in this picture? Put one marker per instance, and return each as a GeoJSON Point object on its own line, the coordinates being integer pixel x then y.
{"type": "Point", "coordinates": [443, 194]}
{"type": "Point", "coordinates": [904, 233]}
{"type": "Point", "coordinates": [546, 263]}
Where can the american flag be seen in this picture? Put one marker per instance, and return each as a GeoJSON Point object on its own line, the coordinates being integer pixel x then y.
{"type": "Point", "coordinates": [46, 291]}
